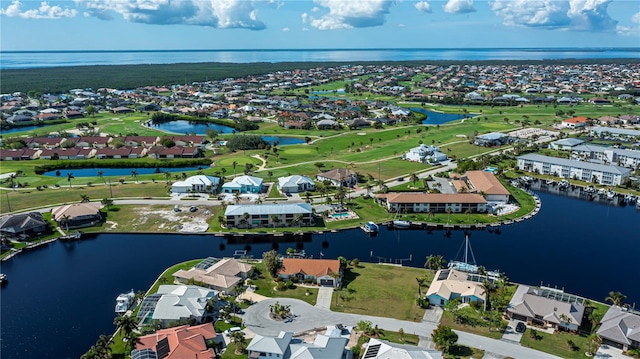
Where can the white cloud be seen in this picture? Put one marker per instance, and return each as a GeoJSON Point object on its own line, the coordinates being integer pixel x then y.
{"type": "Point", "coordinates": [459, 6]}
{"type": "Point", "coordinates": [285, 29]}
{"type": "Point", "coordinates": [348, 14]}
{"type": "Point", "coordinates": [636, 18]}
{"type": "Point", "coordinates": [423, 6]}
{"type": "Point", "coordinates": [582, 15]}
{"type": "Point", "coordinates": [44, 11]}
{"type": "Point", "coordinates": [633, 30]}
{"type": "Point", "coordinates": [214, 13]}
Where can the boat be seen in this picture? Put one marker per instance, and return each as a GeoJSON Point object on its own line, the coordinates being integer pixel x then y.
{"type": "Point", "coordinates": [72, 236]}
{"type": "Point", "coordinates": [638, 204]}
{"type": "Point", "coordinates": [400, 224]}
{"type": "Point", "coordinates": [564, 184]}
{"type": "Point", "coordinates": [550, 182]}
{"type": "Point", "coordinates": [3, 279]}
{"type": "Point", "coordinates": [370, 227]}
{"type": "Point", "coordinates": [602, 192]}
{"type": "Point", "coordinates": [610, 194]}
{"type": "Point", "coordinates": [124, 302]}
{"type": "Point", "coordinates": [590, 189]}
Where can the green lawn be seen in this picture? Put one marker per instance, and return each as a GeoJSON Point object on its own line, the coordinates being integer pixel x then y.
{"type": "Point", "coordinates": [266, 286]}
{"type": "Point", "coordinates": [556, 344]}
{"type": "Point", "coordinates": [387, 290]}
{"type": "Point", "coordinates": [167, 276]}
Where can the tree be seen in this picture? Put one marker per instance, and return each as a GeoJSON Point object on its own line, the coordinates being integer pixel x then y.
{"type": "Point", "coordinates": [343, 263]}
{"type": "Point", "coordinates": [453, 306]}
{"type": "Point", "coordinates": [270, 174]}
{"type": "Point", "coordinates": [167, 176]}
{"type": "Point", "coordinates": [434, 262]}
{"type": "Point", "coordinates": [364, 326]}
{"type": "Point", "coordinates": [444, 338]}
{"type": "Point", "coordinates": [134, 174]}
{"type": "Point", "coordinates": [355, 262]}
{"type": "Point", "coordinates": [84, 198]}
{"type": "Point", "coordinates": [69, 178]}
{"type": "Point", "coordinates": [234, 164]}
{"type": "Point", "coordinates": [238, 338]}
{"type": "Point", "coordinates": [616, 298]}
{"type": "Point", "coordinates": [103, 347]}
{"type": "Point", "coordinates": [101, 175]}
{"type": "Point", "coordinates": [449, 210]}
{"type": "Point", "coordinates": [90, 110]}
{"type": "Point", "coordinates": [127, 323]}
{"type": "Point", "coordinates": [414, 178]}
{"type": "Point", "coordinates": [271, 260]}
{"type": "Point", "coordinates": [401, 334]}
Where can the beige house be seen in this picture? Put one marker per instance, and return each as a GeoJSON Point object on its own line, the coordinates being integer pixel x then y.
{"type": "Point", "coordinates": [486, 183]}
{"type": "Point", "coordinates": [324, 272]}
{"type": "Point", "coordinates": [419, 202]}
{"type": "Point", "coordinates": [222, 275]}
{"type": "Point", "coordinates": [451, 284]}
{"type": "Point", "coordinates": [77, 215]}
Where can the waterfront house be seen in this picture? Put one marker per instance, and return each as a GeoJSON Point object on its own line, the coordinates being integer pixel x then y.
{"type": "Point", "coordinates": [451, 284]}
{"type": "Point", "coordinates": [419, 202]}
{"type": "Point", "coordinates": [581, 170]}
{"type": "Point", "coordinates": [607, 155]}
{"type": "Point", "coordinates": [175, 303]}
{"type": "Point", "coordinates": [243, 184]}
{"type": "Point", "coordinates": [220, 274]}
{"type": "Point", "coordinates": [176, 343]}
{"type": "Point", "coordinates": [23, 225]}
{"type": "Point", "coordinates": [295, 184]}
{"type": "Point", "coordinates": [339, 177]}
{"type": "Point", "coordinates": [424, 154]}
{"type": "Point", "coordinates": [484, 183]}
{"type": "Point", "coordinates": [620, 328]}
{"type": "Point", "coordinates": [196, 184]}
{"type": "Point", "coordinates": [548, 307]}
{"type": "Point", "coordinates": [284, 346]}
{"type": "Point", "coordinates": [266, 215]}
{"type": "Point", "coordinates": [380, 349]}
{"type": "Point", "coordinates": [615, 134]}
{"type": "Point", "coordinates": [77, 215]}
{"type": "Point", "coordinates": [323, 272]}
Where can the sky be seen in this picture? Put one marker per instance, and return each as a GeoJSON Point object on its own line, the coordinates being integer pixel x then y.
{"type": "Point", "coordinates": [316, 24]}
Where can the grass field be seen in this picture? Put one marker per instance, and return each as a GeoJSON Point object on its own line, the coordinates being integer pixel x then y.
{"type": "Point", "coordinates": [387, 290]}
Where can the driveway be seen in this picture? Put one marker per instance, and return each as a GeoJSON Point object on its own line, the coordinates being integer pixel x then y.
{"type": "Point", "coordinates": [324, 297]}
{"type": "Point", "coordinates": [607, 352]}
{"type": "Point", "coordinates": [307, 317]}
{"type": "Point", "coordinates": [433, 315]}
{"type": "Point", "coordinates": [510, 333]}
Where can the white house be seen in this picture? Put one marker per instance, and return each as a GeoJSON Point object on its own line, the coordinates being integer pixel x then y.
{"type": "Point", "coordinates": [425, 154]}
{"type": "Point", "coordinates": [196, 184]}
{"type": "Point", "coordinates": [284, 346]}
{"type": "Point", "coordinates": [565, 144]}
{"type": "Point", "coordinates": [581, 170]}
{"type": "Point", "coordinates": [295, 184]}
{"type": "Point", "coordinates": [265, 215]}
{"type": "Point", "coordinates": [174, 303]}
{"type": "Point", "coordinates": [379, 349]}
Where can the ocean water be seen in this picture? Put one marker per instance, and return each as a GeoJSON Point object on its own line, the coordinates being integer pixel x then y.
{"type": "Point", "coordinates": [40, 59]}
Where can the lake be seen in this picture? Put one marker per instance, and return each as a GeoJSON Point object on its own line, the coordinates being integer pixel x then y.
{"type": "Point", "coordinates": [588, 248]}
{"type": "Point", "coordinates": [123, 171]}
{"type": "Point", "coordinates": [21, 129]}
{"type": "Point", "coordinates": [438, 118]}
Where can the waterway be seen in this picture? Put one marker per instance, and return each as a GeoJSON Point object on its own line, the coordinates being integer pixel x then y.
{"type": "Point", "coordinates": [438, 118]}
{"type": "Point", "coordinates": [62, 296]}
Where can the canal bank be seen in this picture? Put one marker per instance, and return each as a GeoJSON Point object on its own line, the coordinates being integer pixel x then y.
{"type": "Point", "coordinates": [572, 244]}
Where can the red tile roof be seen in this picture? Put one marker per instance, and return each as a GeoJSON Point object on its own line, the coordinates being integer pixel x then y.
{"type": "Point", "coordinates": [311, 267]}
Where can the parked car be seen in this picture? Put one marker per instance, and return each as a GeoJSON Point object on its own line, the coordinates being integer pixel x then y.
{"type": "Point", "coordinates": [233, 329]}
{"type": "Point", "coordinates": [400, 179]}
{"type": "Point", "coordinates": [193, 209]}
{"type": "Point", "coordinates": [521, 327]}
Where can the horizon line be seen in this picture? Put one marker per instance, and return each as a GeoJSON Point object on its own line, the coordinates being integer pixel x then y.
{"type": "Point", "coordinates": [589, 49]}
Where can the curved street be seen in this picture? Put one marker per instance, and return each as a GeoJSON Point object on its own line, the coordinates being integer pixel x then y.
{"type": "Point", "coordinates": [307, 317]}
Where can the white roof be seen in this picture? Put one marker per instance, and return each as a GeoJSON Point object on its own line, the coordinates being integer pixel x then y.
{"type": "Point", "coordinates": [293, 181]}
{"type": "Point", "coordinates": [199, 179]}
{"type": "Point", "coordinates": [182, 301]}
{"type": "Point", "coordinates": [275, 345]}
{"type": "Point", "coordinates": [268, 209]}
{"type": "Point", "coordinates": [378, 349]}
{"type": "Point", "coordinates": [244, 181]}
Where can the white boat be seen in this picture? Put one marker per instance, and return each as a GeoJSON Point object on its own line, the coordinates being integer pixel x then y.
{"type": "Point", "coordinates": [3, 279]}
{"type": "Point", "coordinates": [610, 194]}
{"type": "Point", "coordinates": [590, 189]}
{"type": "Point", "coordinates": [124, 301]}
{"type": "Point", "coordinates": [399, 224]}
{"type": "Point", "coordinates": [370, 227]}
{"type": "Point", "coordinates": [550, 182]}
{"type": "Point", "coordinates": [602, 192]}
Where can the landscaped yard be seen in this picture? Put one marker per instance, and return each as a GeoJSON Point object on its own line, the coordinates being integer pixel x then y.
{"type": "Point", "coordinates": [266, 286]}
{"type": "Point", "coordinates": [387, 290]}
{"type": "Point", "coordinates": [556, 344]}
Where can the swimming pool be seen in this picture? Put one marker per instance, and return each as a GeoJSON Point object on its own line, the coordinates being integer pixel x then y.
{"type": "Point", "coordinates": [490, 169]}
{"type": "Point", "coordinates": [340, 215]}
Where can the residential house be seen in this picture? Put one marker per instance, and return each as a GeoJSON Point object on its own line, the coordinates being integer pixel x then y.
{"type": "Point", "coordinates": [196, 184]}
{"type": "Point", "coordinates": [424, 154]}
{"type": "Point", "coordinates": [177, 343]}
{"type": "Point", "coordinates": [615, 134]}
{"type": "Point", "coordinates": [220, 274]}
{"type": "Point", "coordinates": [141, 141]}
{"type": "Point", "coordinates": [323, 272]}
{"type": "Point", "coordinates": [339, 177]}
{"type": "Point", "coordinates": [122, 152]}
{"type": "Point", "coordinates": [327, 124]}
{"type": "Point", "coordinates": [266, 215]}
{"type": "Point", "coordinates": [45, 142]}
{"type": "Point", "coordinates": [121, 110]}
{"type": "Point", "coordinates": [243, 184]}
{"type": "Point", "coordinates": [620, 328]}
{"type": "Point", "coordinates": [581, 170]}
{"type": "Point", "coordinates": [608, 120]}
{"type": "Point", "coordinates": [18, 155]}
{"type": "Point", "coordinates": [176, 303]}
{"type": "Point", "coordinates": [548, 307]}
{"type": "Point", "coordinates": [284, 346]}
{"type": "Point", "coordinates": [66, 153]}
{"type": "Point", "coordinates": [486, 184]}
{"type": "Point", "coordinates": [419, 202]}
{"type": "Point", "coordinates": [295, 184]}
{"type": "Point", "coordinates": [189, 141]}
{"type": "Point", "coordinates": [23, 225]}
{"type": "Point", "coordinates": [77, 215]}
{"type": "Point", "coordinates": [92, 141]}
{"type": "Point", "coordinates": [380, 349]}
{"type": "Point", "coordinates": [451, 284]}
{"type": "Point", "coordinates": [575, 122]}
{"type": "Point", "coordinates": [565, 144]}
{"type": "Point", "coordinates": [607, 155]}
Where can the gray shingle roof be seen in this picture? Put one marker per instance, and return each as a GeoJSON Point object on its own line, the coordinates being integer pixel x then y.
{"type": "Point", "coordinates": [620, 326]}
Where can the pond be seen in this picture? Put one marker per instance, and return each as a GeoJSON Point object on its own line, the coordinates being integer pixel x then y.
{"type": "Point", "coordinates": [120, 171]}
{"type": "Point", "coordinates": [282, 141]}
{"type": "Point", "coordinates": [438, 118]}
{"type": "Point", "coordinates": [183, 126]}
{"type": "Point", "coordinates": [20, 129]}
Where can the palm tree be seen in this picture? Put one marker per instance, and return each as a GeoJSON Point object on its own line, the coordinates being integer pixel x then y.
{"type": "Point", "coordinates": [107, 202]}
{"type": "Point", "coordinates": [65, 221]}
{"type": "Point", "coordinates": [270, 173]}
{"type": "Point", "coordinates": [449, 210]}
{"type": "Point", "coordinates": [103, 347]}
{"type": "Point", "coordinates": [84, 198]}
{"type": "Point", "coordinates": [234, 164]}
{"type": "Point", "coordinates": [616, 298]}
{"type": "Point", "coordinates": [414, 178]}
{"type": "Point", "coordinates": [127, 323]}
{"type": "Point", "coordinates": [275, 219]}
{"type": "Point", "coordinates": [434, 262]}
{"type": "Point", "coordinates": [307, 197]}
{"type": "Point", "coordinates": [236, 197]}
{"type": "Point", "coordinates": [468, 213]}
{"type": "Point", "coordinates": [258, 200]}
{"type": "Point", "coordinates": [69, 178]}
{"type": "Point", "coordinates": [101, 175]}
{"type": "Point", "coordinates": [239, 340]}
{"type": "Point", "coordinates": [167, 176]}
{"type": "Point", "coordinates": [134, 174]}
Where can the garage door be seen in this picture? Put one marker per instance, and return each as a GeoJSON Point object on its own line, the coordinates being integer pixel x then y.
{"type": "Point", "coordinates": [326, 282]}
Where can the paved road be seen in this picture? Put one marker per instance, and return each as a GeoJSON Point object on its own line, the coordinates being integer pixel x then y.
{"type": "Point", "coordinates": [308, 317]}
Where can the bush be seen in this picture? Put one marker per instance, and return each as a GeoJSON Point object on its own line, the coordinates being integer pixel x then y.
{"type": "Point", "coordinates": [281, 286]}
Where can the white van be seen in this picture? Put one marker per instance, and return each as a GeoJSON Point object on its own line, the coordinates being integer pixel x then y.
{"type": "Point", "coordinates": [232, 329]}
